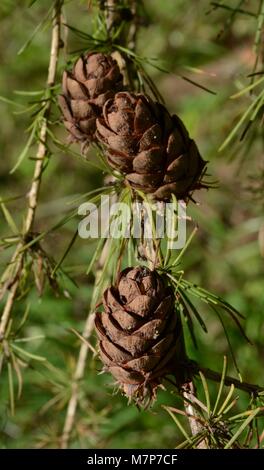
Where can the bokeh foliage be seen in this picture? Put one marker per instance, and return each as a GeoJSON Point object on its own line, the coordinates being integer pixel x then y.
{"type": "Point", "coordinates": [205, 45]}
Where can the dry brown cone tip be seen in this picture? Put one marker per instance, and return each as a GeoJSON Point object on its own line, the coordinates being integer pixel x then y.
{"type": "Point", "coordinates": [140, 333]}
{"type": "Point", "coordinates": [94, 79]}
{"type": "Point", "coordinates": [152, 148]}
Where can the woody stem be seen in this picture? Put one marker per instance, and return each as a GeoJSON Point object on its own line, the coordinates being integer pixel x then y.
{"type": "Point", "coordinates": [41, 155]}
{"type": "Point", "coordinates": [189, 393]}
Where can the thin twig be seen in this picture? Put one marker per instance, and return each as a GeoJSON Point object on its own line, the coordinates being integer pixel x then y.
{"type": "Point", "coordinates": [78, 375]}
{"type": "Point", "coordinates": [133, 26]}
{"type": "Point", "coordinates": [41, 154]}
{"type": "Point", "coordinates": [81, 362]}
{"type": "Point", "coordinates": [216, 377]}
{"type": "Point", "coordinates": [189, 392]}
{"type": "Point", "coordinates": [111, 13]}
{"type": "Point", "coordinates": [236, 10]}
{"type": "Point", "coordinates": [111, 18]}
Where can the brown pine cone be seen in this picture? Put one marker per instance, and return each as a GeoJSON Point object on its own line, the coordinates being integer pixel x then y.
{"type": "Point", "coordinates": [152, 148]}
{"type": "Point", "coordinates": [94, 79]}
{"type": "Point", "coordinates": [140, 332]}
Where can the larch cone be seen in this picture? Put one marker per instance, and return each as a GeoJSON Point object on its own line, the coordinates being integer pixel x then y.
{"type": "Point", "coordinates": [150, 147]}
{"type": "Point", "coordinates": [140, 333]}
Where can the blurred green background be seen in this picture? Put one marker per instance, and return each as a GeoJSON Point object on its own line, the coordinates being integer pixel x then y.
{"type": "Point", "coordinates": [225, 257]}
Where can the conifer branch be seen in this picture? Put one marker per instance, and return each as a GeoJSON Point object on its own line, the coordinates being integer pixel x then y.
{"type": "Point", "coordinates": [18, 257]}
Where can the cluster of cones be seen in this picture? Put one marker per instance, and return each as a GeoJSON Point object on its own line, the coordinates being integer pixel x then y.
{"type": "Point", "coordinates": [141, 140]}
{"type": "Point", "coordinates": [140, 333]}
